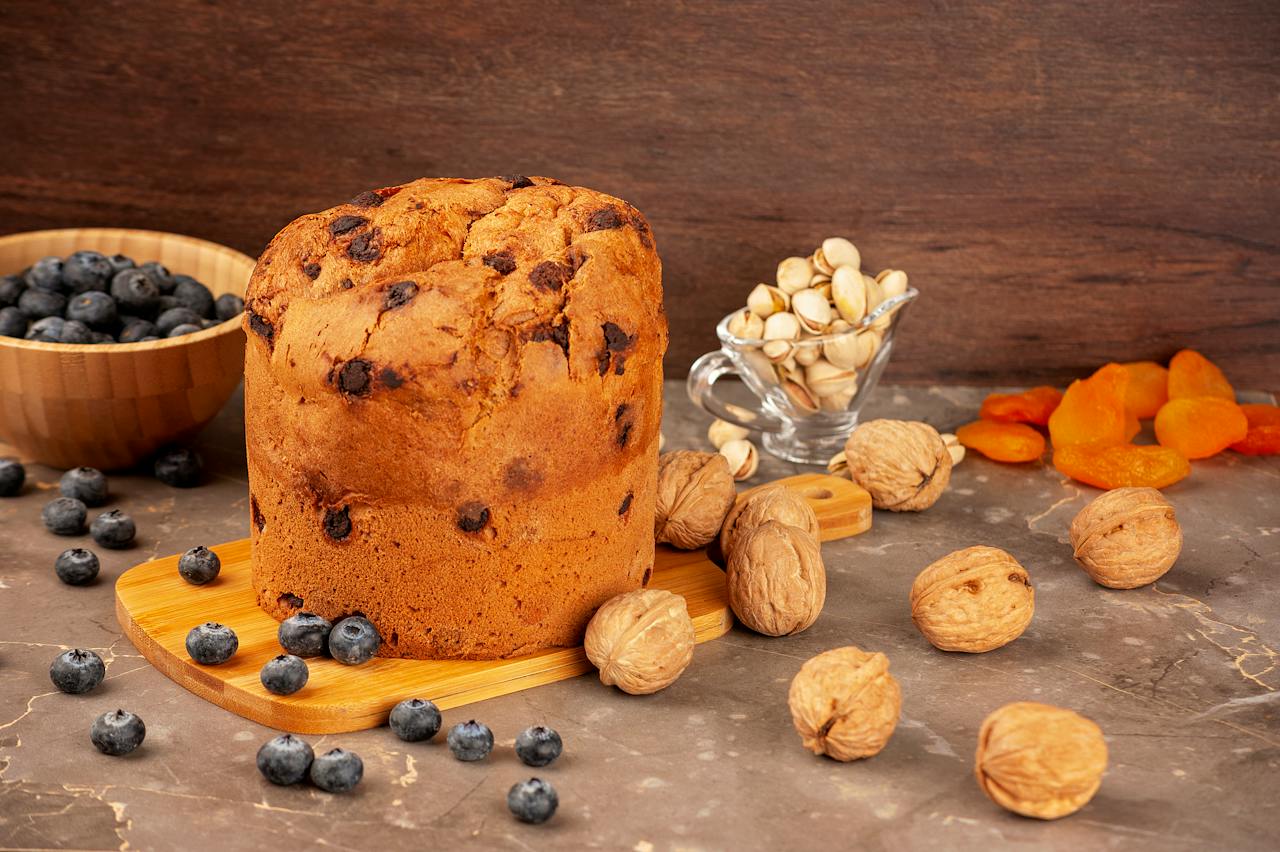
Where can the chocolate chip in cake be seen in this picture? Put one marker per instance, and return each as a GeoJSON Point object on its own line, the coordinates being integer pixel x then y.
{"type": "Point", "coordinates": [256, 513]}
{"type": "Point", "coordinates": [260, 326]}
{"type": "Point", "coordinates": [504, 262]}
{"type": "Point", "coordinates": [346, 284]}
{"type": "Point", "coordinates": [367, 199]}
{"type": "Point", "coordinates": [311, 270]}
{"type": "Point", "coordinates": [550, 275]}
{"type": "Point", "coordinates": [290, 600]}
{"type": "Point", "coordinates": [337, 523]}
{"type": "Point", "coordinates": [622, 409]}
{"type": "Point", "coordinates": [624, 434]}
{"type": "Point", "coordinates": [364, 246]}
{"type": "Point", "coordinates": [557, 334]}
{"type": "Point", "coordinates": [648, 573]}
{"type": "Point", "coordinates": [400, 293]}
{"type": "Point", "coordinates": [642, 228]}
{"type": "Point", "coordinates": [343, 224]}
{"type": "Point", "coordinates": [353, 377]}
{"type": "Point", "coordinates": [390, 378]}
{"type": "Point", "coordinates": [517, 181]}
{"type": "Point", "coordinates": [604, 219]}
{"type": "Point", "coordinates": [521, 475]}
{"type": "Point", "coordinates": [472, 517]}
{"type": "Point", "coordinates": [615, 341]}
{"type": "Point", "coordinates": [626, 503]}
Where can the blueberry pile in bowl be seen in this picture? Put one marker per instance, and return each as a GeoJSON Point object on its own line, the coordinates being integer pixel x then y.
{"type": "Point", "coordinates": [90, 297]}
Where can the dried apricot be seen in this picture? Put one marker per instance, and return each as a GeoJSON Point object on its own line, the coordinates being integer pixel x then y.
{"type": "Point", "coordinates": [1131, 425]}
{"type": "Point", "coordinates": [1191, 374]}
{"type": "Point", "coordinates": [1092, 410]}
{"type": "Point", "coordinates": [1122, 465]}
{"type": "Point", "coordinates": [1201, 426]}
{"type": "Point", "coordinates": [1029, 406]}
{"type": "Point", "coordinates": [1263, 438]}
{"type": "Point", "coordinates": [1005, 442]}
{"type": "Point", "coordinates": [1148, 388]}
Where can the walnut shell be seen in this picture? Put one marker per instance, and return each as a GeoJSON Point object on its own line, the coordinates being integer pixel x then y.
{"type": "Point", "coordinates": [1039, 760]}
{"type": "Point", "coordinates": [641, 641]}
{"type": "Point", "coordinates": [973, 600]}
{"type": "Point", "coordinates": [845, 704]}
{"type": "Point", "coordinates": [695, 492]}
{"type": "Point", "coordinates": [767, 503]}
{"type": "Point", "coordinates": [904, 465]}
{"type": "Point", "coordinates": [1127, 537]}
{"type": "Point", "coordinates": [777, 583]}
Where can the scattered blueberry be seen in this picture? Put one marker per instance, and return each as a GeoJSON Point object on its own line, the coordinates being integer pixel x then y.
{"type": "Point", "coordinates": [179, 468]}
{"type": "Point", "coordinates": [533, 801]}
{"type": "Point", "coordinates": [174, 317]}
{"type": "Point", "coordinates": [211, 644]}
{"type": "Point", "coordinates": [47, 330]}
{"type": "Point", "coordinates": [134, 292]}
{"type": "Point", "coordinates": [64, 516]}
{"type": "Point", "coordinates": [538, 746]}
{"type": "Point", "coordinates": [137, 329]}
{"type": "Point", "coordinates": [354, 640]}
{"type": "Point", "coordinates": [12, 322]}
{"type": "Point", "coordinates": [470, 740]}
{"type": "Point", "coordinates": [415, 720]}
{"type": "Point", "coordinates": [199, 565]}
{"type": "Point", "coordinates": [95, 309]}
{"type": "Point", "coordinates": [185, 328]}
{"type": "Point", "coordinates": [11, 287]}
{"type": "Point", "coordinates": [190, 293]}
{"type": "Point", "coordinates": [227, 306]}
{"type": "Point", "coordinates": [117, 732]}
{"type": "Point", "coordinates": [113, 529]}
{"type": "Point", "coordinates": [86, 484]}
{"type": "Point", "coordinates": [304, 634]}
{"type": "Point", "coordinates": [159, 275]}
{"type": "Point", "coordinates": [76, 672]}
{"type": "Point", "coordinates": [87, 271]}
{"type": "Point", "coordinates": [337, 770]}
{"type": "Point", "coordinates": [75, 332]}
{"type": "Point", "coordinates": [285, 759]}
{"type": "Point", "coordinates": [46, 274]}
{"type": "Point", "coordinates": [77, 567]}
{"type": "Point", "coordinates": [12, 475]}
{"type": "Point", "coordinates": [38, 304]}
{"type": "Point", "coordinates": [284, 675]}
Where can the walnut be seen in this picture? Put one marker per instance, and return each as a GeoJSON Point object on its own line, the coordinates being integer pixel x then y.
{"type": "Point", "coordinates": [904, 465]}
{"type": "Point", "coordinates": [695, 492]}
{"type": "Point", "coordinates": [766, 503]}
{"type": "Point", "coordinates": [1126, 538]}
{"type": "Point", "coordinates": [777, 584]}
{"type": "Point", "coordinates": [641, 641]}
{"type": "Point", "coordinates": [974, 600]}
{"type": "Point", "coordinates": [845, 704]}
{"type": "Point", "coordinates": [1038, 760]}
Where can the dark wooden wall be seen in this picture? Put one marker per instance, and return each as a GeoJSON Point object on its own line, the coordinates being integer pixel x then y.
{"type": "Point", "coordinates": [1067, 183]}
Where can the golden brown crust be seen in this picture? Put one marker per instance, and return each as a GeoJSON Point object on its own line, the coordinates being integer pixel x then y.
{"type": "Point", "coordinates": [453, 391]}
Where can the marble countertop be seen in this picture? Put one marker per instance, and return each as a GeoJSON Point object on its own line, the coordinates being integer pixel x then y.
{"type": "Point", "coordinates": [1182, 676]}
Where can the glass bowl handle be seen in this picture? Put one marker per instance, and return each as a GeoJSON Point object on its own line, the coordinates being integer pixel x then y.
{"type": "Point", "coordinates": [700, 386]}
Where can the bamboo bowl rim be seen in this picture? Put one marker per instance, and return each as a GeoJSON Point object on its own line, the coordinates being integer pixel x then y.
{"type": "Point", "coordinates": [224, 327]}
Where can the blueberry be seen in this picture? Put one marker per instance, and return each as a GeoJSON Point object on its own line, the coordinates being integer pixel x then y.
{"type": "Point", "coordinates": [94, 309]}
{"type": "Point", "coordinates": [76, 672]}
{"type": "Point", "coordinates": [538, 746]}
{"type": "Point", "coordinates": [533, 801]}
{"type": "Point", "coordinates": [117, 732]}
{"type": "Point", "coordinates": [227, 306]}
{"type": "Point", "coordinates": [47, 330]}
{"type": "Point", "coordinates": [337, 771]}
{"type": "Point", "coordinates": [113, 529]}
{"type": "Point", "coordinates": [46, 274]}
{"type": "Point", "coordinates": [184, 329]}
{"type": "Point", "coordinates": [38, 304]}
{"type": "Point", "coordinates": [159, 275]}
{"type": "Point", "coordinates": [12, 323]}
{"type": "Point", "coordinates": [86, 484]}
{"type": "Point", "coordinates": [11, 287]}
{"type": "Point", "coordinates": [354, 640]}
{"type": "Point", "coordinates": [64, 516]}
{"type": "Point", "coordinates": [174, 317]}
{"type": "Point", "coordinates": [75, 332]}
{"type": "Point", "coordinates": [87, 271]}
{"type": "Point", "coordinates": [211, 643]}
{"type": "Point", "coordinates": [76, 567]}
{"type": "Point", "coordinates": [190, 293]}
{"type": "Point", "coordinates": [285, 759]}
{"type": "Point", "coordinates": [101, 337]}
{"type": "Point", "coordinates": [304, 634]}
{"type": "Point", "coordinates": [135, 292]}
{"type": "Point", "coordinates": [180, 468]}
{"type": "Point", "coordinates": [136, 329]}
{"type": "Point", "coordinates": [199, 565]}
{"type": "Point", "coordinates": [166, 302]}
{"type": "Point", "coordinates": [470, 740]}
{"type": "Point", "coordinates": [284, 675]}
{"type": "Point", "coordinates": [119, 263]}
{"type": "Point", "coordinates": [209, 323]}
{"type": "Point", "coordinates": [12, 475]}
{"type": "Point", "coordinates": [414, 720]}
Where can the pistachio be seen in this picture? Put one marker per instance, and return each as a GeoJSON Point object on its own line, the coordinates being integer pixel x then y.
{"type": "Point", "coordinates": [825, 289]}
{"type": "Point", "coordinates": [839, 465]}
{"type": "Point", "coordinates": [868, 345]}
{"type": "Point", "coordinates": [954, 447]}
{"type": "Point", "coordinates": [794, 274]}
{"type": "Point", "coordinates": [793, 385]}
{"type": "Point", "coordinates": [875, 293]}
{"type": "Point", "coordinates": [892, 284]}
{"type": "Point", "coordinates": [721, 432]}
{"type": "Point", "coordinates": [777, 351]}
{"type": "Point", "coordinates": [819, 278]}
{"type": "Point", "coordinates": [807, 354]}
{"type": "Point", "coordinates": [819, 261]}
{"type": "Point", "coordinates": [812, 310]}
{"type": "Point", "coordinates": [840, 252]}
{"type": "Point", "coordinates": [742, 457]}
{"type": "Point", "coordinates": [765, 301]}
{"type": "Point", "coordinates": [782, 327]}
{"type": "Point", "coordinates": [826, 379]}
{"type": "Point", "coordinates": [838, 401]}
{"type": "Point", "coordinates": [849, 293]}
{"type": "Point", "coordinates": [841, 349]}
{"type": "Point", "coordinates": [746, 324]}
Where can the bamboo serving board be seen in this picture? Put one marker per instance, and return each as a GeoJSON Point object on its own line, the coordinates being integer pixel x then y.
{"type": "Point", "coordinates": [157, 608]}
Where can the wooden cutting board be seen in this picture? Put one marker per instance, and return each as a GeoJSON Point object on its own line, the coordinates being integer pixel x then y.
{"type": "Point", "coordinates": [157, 608]}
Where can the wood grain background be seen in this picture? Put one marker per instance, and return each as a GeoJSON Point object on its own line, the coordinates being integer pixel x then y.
{"type": "Point", "coordinates": [1067, 183]}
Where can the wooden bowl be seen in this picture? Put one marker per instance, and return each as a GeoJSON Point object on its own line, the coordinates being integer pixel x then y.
{"type": "Point", "coordinates": [111, 405]}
